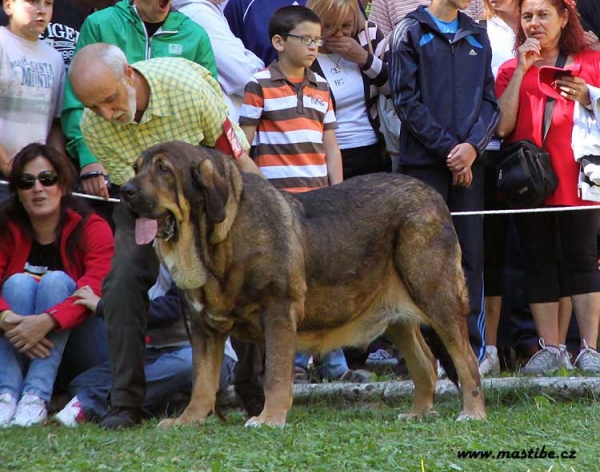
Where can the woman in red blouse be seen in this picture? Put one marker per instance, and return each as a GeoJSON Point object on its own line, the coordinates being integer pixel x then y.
{"type": "Point", "coordinates": [560, 247]}
{"type": "Point", "coordinates": [48, 249]}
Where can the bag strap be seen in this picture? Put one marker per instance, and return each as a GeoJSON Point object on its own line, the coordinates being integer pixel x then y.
{"type": "Point", "coordinates": [370, 45]}
{"type": "Point", "coordinates": [368, 37]}
{"type": "Point", "coordinates": [550, 102]}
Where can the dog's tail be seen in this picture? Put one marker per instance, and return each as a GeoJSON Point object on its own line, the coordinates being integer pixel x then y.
{"type": "Point", "coordinates": [440, 352]}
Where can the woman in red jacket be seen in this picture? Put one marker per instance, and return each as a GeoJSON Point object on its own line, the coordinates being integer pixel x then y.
{"type": "Point", "coordinates": [48, 249]}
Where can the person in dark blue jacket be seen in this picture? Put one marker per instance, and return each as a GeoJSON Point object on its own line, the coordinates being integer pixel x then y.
{"type": "Point", "coordinates": [443, 91]}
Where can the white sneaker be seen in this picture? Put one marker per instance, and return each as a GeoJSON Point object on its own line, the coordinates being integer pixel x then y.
{"type": "Point", "coordinates": [588, 360]}
{"type": "Point", "coordinates": [490, 363]}
{"type": "Point", "coordinates": [565, 357]}
{"type": "Point", "coordinates": [546, 360]}
{"type": "Point", "coordinates": [8, 406]}
{"type": "Point", "coordinates": [440, 371]}
{"type": "Point", "coordinates": [381, 358]}
{"type": "Point", "coordinates": [30, 410]}
{"type": "Point", "coordinates": [72, 414]}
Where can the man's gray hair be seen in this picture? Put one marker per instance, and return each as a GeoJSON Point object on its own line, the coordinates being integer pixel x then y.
{"type": "Point", "coordinates": [107, 54]}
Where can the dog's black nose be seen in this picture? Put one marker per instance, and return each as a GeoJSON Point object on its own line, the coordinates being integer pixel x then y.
{"type": "Point", "coordinates": [129, 190]}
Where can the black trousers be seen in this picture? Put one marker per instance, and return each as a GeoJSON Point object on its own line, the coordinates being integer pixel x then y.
{"type": "Point", "coordinates": [125, 294]}
{"type": "Point", "coordinates": [561, 253]}
{"type": "Point", "coordinates": [469, 230]}
{"type": "Point", "coordinates": [363, 160]}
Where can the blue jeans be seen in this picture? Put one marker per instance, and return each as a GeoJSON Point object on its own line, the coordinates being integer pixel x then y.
{"type": "Point", "coordinates": [168, 371]}
{"type": "Point", "coordinates": [333, 364]}
{"type": "Point", "coordinates": [26, 296]}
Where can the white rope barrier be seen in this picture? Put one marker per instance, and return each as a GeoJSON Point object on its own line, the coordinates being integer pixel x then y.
{"type": "Point", "coordinates": [80, 195]}
{"type": "Point", "coordinates": [454, 213]}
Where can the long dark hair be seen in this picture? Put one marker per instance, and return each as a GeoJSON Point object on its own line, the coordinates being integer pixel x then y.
{"type": "Point", "coordinates": [13, 210]}
{"type": "Point", "coordinates": [571, 39]}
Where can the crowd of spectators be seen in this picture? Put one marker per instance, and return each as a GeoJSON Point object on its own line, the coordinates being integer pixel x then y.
{"type": "Point", "coordinates": [291, 89]}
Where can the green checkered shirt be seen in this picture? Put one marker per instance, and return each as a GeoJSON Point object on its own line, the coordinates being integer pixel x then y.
{"type": "Point", "coordinates": [186, 104]}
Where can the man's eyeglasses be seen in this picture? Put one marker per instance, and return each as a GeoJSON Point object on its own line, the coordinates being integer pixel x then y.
{"type": "Point", "coordinates": [47, 178]}
{"type": "Point", "coordinates": [306, 40]}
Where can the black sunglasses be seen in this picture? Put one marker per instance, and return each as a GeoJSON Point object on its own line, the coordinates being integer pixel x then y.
{"type": "Point", "coordinates": [47, 178]}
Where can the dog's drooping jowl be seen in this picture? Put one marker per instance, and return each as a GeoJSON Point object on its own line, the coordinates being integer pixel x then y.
{"type": "Point", "coordinates": [333, 267]}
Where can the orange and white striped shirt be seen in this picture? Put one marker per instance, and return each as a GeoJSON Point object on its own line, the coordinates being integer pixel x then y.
{"type": "Point", "coordinates": [290, 118]}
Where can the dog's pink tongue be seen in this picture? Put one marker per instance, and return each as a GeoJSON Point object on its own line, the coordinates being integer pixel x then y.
{"type": "Point", "coordinates": [145, 230]}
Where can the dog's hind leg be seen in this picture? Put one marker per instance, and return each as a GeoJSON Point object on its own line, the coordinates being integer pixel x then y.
{"type": "Point", "coordinates": [407, 337]}
{"type": "Point", "coordinates": [428, 258]}
{"type": "Point", "coordinates": [455, 337]}
{"type": "Point", "coordinates": [279, 319]}
{"type": "Point", "coordinates": [207, 349]}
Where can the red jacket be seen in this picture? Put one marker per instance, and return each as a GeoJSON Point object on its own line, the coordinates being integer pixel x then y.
{"type": "Point", "coordinates": [88, 265]}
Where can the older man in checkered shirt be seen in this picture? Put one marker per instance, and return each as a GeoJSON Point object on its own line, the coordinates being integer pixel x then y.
{"type": "Point", "coordinates": [128, 109]}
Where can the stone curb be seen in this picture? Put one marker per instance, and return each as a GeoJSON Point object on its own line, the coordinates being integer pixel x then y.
{"type": "Point", "coordinates": [569, 387]}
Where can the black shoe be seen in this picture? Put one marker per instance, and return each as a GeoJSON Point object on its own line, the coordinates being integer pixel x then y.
{"type": "Point", "coordinates": [253, 404]}
{"type": "Point", "coordinates": [121, 417]}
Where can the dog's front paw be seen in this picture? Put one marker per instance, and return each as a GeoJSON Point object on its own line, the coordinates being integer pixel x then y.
{"type": "Point", "coordinates": [413, 415]}
{"type": "Point", "coordinates": [258, 421]}
{"type": "Point", "coordinates": [471, 416]}
{"type": "Point", "coordinates": [167, 423]}
{"type": "Point", "coordinates": [181, 421]}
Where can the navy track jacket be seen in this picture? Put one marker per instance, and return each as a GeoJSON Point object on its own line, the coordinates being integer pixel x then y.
{"type": "Point", "coordinates": [443, 90]}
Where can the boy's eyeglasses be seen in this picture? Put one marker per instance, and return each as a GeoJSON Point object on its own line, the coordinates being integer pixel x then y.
{"type": "Point", "coordinates": [306, 40]}
{"type": "Point", "coordinates": [47, 178]}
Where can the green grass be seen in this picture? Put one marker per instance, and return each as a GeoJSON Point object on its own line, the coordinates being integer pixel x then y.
{"type": "Point", "coordinates": [325, 437]}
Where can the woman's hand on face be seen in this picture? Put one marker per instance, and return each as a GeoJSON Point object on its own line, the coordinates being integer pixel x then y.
{"type": "Point", "coordinates": [528, 53]}
{"type": "Point", "coordinates": [348, 48]}
{"type": "Point", "coordinates": [574, 88]}
{"type": "Point", "coordinates": [30, 331]}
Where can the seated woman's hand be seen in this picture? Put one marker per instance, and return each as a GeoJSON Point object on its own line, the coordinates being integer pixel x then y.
{"type": "Point", "coordinates": [30, 331]}
{"type": "Point", "coordinates": [9, 320]}
{"type": "Point", "coordinates": [40, 350]}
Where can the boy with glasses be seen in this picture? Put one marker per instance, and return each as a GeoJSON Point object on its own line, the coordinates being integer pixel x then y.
{"type": "Point", "coordinates": [288, 112]}
{"type": "Point", "coordinates": [288, 116]}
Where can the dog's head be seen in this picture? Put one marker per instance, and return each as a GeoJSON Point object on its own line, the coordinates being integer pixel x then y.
{"type": "Point", "coordinates": [176, 183]}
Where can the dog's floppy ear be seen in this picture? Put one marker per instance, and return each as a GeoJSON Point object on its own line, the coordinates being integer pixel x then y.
{"type": "Point", "coordinates": [214, 188]}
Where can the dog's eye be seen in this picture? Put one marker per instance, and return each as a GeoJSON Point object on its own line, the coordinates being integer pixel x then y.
{"type": "Point", "coordinates": [162, 167]}
{"type": "Point", "coordinates": [135, 168]}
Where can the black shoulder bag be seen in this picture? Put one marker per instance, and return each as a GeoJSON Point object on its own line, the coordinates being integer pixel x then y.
{"type": "Point", "coordinates": [524, 174]}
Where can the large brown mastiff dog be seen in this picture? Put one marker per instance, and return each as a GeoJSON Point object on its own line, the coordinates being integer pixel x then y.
{"type": "Point", "coordinates": [333, 267]}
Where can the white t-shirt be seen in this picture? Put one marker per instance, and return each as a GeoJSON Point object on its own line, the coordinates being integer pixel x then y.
{"type": "Point", "coordinates": [235, 64]}
{"type": "Point", "coordinates": [31, 83]}
{"type": "Point", "coordinates": [347, 87]}
{"type": "Point", "coordinates": [502, 41]}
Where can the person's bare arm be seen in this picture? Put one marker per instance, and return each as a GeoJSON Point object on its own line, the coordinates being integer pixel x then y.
{"type": "Point", "coordinates": [5, 162]}
{"type": "Point", "coordinates": [249, 131]}
{"type": "Point", "coordinates": [246, 164]}
{"type": "Point", "coordinates": [528, 53]}
{"type": "Point", "coordinates": [333, 157]}
{"type": "Point", "coordinates": [56, 137]}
